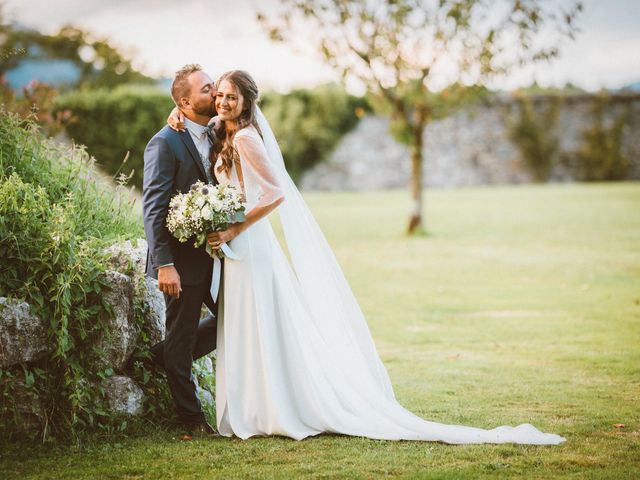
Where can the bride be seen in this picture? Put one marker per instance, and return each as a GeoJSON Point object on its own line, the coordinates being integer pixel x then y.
{"type": "Point", "coordinates": [295, 356]}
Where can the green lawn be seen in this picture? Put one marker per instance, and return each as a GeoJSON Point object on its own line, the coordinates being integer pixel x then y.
{"type": "Point", "coordinates": [522, 305]}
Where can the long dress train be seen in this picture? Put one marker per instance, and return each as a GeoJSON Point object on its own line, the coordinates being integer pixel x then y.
{"type": "Point", "coordinates": [294, 364]}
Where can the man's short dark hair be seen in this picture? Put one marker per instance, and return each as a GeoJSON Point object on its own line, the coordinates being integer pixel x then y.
{"type": "Point", "coordinates": [180, 87]}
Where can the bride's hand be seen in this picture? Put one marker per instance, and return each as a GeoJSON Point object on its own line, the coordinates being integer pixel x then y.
{"type": "Point", "coordinates": [217, 125]}
{"type": "Point", "coordinates": [176, 120]}
{"type": "Point", "coordinates": [216, 239]}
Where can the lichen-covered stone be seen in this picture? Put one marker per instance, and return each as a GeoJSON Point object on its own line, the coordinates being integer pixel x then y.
{"type": "Point", "coordinates": [29, 409]}
{"type": "Point", "coordinates": [207, 364]}
{"type": "Point", "coordinates": [119, 337]}
{"type": "Point", "coordinates": [23, 335]}
{"type": "Point", "coordinates": [130, 259]}
{"type": "Point", "coordinates": [125, 255]}
{"type": "Point", "coordinates": [205, 396]}
{"type": "Point", "coordinates": [155, 317]}
{"type": "Point", "coordinates": [124, 395]}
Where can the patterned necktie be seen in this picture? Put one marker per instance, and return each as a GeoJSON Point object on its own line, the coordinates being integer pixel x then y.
{"type": "Point", "coordinates": [206, 163]}
{"type": "Point", "coordinates": [210, 135]}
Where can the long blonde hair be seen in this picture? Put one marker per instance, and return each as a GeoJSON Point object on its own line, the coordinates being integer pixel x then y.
{"type": "Point", "coordinates": [249, 90]}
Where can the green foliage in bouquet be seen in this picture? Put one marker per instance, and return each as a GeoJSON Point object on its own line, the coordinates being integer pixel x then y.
{"type": "Point", "coordinates": [55, 221]}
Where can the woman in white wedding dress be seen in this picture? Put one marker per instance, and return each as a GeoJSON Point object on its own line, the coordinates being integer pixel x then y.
{"type": "Point", "coordinates": [295, 356]}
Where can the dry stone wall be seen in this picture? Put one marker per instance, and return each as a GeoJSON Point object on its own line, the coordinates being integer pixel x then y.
{"type": "Point", "coordinates": [470, 147]}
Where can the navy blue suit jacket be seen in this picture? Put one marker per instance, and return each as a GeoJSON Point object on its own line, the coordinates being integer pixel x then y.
{"type": "Point", "coordinates": [171, 165]}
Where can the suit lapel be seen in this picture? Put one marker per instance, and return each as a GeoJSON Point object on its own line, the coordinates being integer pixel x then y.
{"type": "Point", "coordinates": [188, 141]}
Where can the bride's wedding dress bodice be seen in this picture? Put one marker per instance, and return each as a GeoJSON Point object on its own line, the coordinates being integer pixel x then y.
{"type": "Point", "coordinates": [222, 176]}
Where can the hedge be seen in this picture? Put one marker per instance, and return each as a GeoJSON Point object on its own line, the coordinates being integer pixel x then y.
{"type": "Point", "coordinates": [114, 124]}
{"type": "Point", "coordinates": [307, 123]}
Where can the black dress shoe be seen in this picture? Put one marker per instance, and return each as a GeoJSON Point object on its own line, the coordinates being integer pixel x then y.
{"type": "Point", "coordinates": [201, 430]}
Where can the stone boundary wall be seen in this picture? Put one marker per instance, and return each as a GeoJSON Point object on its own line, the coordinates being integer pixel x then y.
{"type": "Point", "coordinates": [470, 147]}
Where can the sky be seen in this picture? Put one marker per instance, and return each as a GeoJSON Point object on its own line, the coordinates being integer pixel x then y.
{"type": "Point", "coordinates": [162, 35]}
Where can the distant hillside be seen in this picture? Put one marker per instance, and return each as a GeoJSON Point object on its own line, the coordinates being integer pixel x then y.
{"type": "Point", "coordinates": [51, 71]}
{"type": "Point", "coordinates": [69, 58]}
{"type": "Point", "coordinates": [56, 72]}
{"type": "Point", "coordinates": [633, 87]}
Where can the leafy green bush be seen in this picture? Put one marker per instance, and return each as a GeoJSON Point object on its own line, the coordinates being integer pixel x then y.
{"type": "Point", "coordinates": [36, 101]}
{"type": "Point", "coordinates": [113, 122]}
{"type": "Point", "coordinates": [307, 123]}
{"type": "Point", "coordinates": [55, 221]}
{"type": "Point", "coordinates": [535, 132]}
{"type": "Point", "coordinates": [600, 157]}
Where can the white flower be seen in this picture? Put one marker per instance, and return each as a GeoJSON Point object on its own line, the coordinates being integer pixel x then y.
{"type": "Point", "coordinates": [195, 213]}
{"type": "Point", "coordinates": [217, 204]}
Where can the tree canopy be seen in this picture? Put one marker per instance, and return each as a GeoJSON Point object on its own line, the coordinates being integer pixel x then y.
{"type": "Point", "coordinates": [420, 57]}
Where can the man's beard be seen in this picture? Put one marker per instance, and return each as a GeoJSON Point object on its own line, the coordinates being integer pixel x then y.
{"type": "Point", "coordinates": [207, 110]}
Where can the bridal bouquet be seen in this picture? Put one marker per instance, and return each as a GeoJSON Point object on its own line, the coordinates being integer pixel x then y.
{"type": "Point", "coordinates": [204, 209]}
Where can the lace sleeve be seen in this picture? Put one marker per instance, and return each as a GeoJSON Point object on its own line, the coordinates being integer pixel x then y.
{"type": "Point", "coordinates": [261, 183]}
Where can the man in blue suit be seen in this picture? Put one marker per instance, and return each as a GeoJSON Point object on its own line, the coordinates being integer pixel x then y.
{"type": "Point", "coordinates": [173, 162]}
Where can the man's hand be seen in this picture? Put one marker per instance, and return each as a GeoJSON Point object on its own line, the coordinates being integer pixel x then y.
{"type": "Point", "coordinates": [169, 281]}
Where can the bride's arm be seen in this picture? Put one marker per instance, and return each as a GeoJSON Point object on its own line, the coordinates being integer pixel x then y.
{"type": "Point", "coordinates": [176, 120]}
{"type": "Point", "coordinates": [259, 175]}
{"type": "Point", "coordinates": [252, 217]}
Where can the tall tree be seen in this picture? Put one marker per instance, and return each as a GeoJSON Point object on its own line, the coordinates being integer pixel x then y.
{"type": "Point", "coordinates": [412, 54]}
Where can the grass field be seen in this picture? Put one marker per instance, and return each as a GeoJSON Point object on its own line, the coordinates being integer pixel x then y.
{"type": "Point", "coordinates": [522, 305]}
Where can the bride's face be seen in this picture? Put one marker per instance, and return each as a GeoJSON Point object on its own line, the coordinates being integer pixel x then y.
{"type": "Point", "coordinates": [229, 101]}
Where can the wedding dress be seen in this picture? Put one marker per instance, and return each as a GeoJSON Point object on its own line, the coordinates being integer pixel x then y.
{"type": "Point", "coordinates": [294, 355]}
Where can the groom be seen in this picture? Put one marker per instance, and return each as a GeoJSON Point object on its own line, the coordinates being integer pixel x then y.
{"type": "Point", "coordinates": [173, 162]}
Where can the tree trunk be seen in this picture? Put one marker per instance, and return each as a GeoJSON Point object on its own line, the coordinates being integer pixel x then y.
{"type": "Point", "coordinates": [415, 221]}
